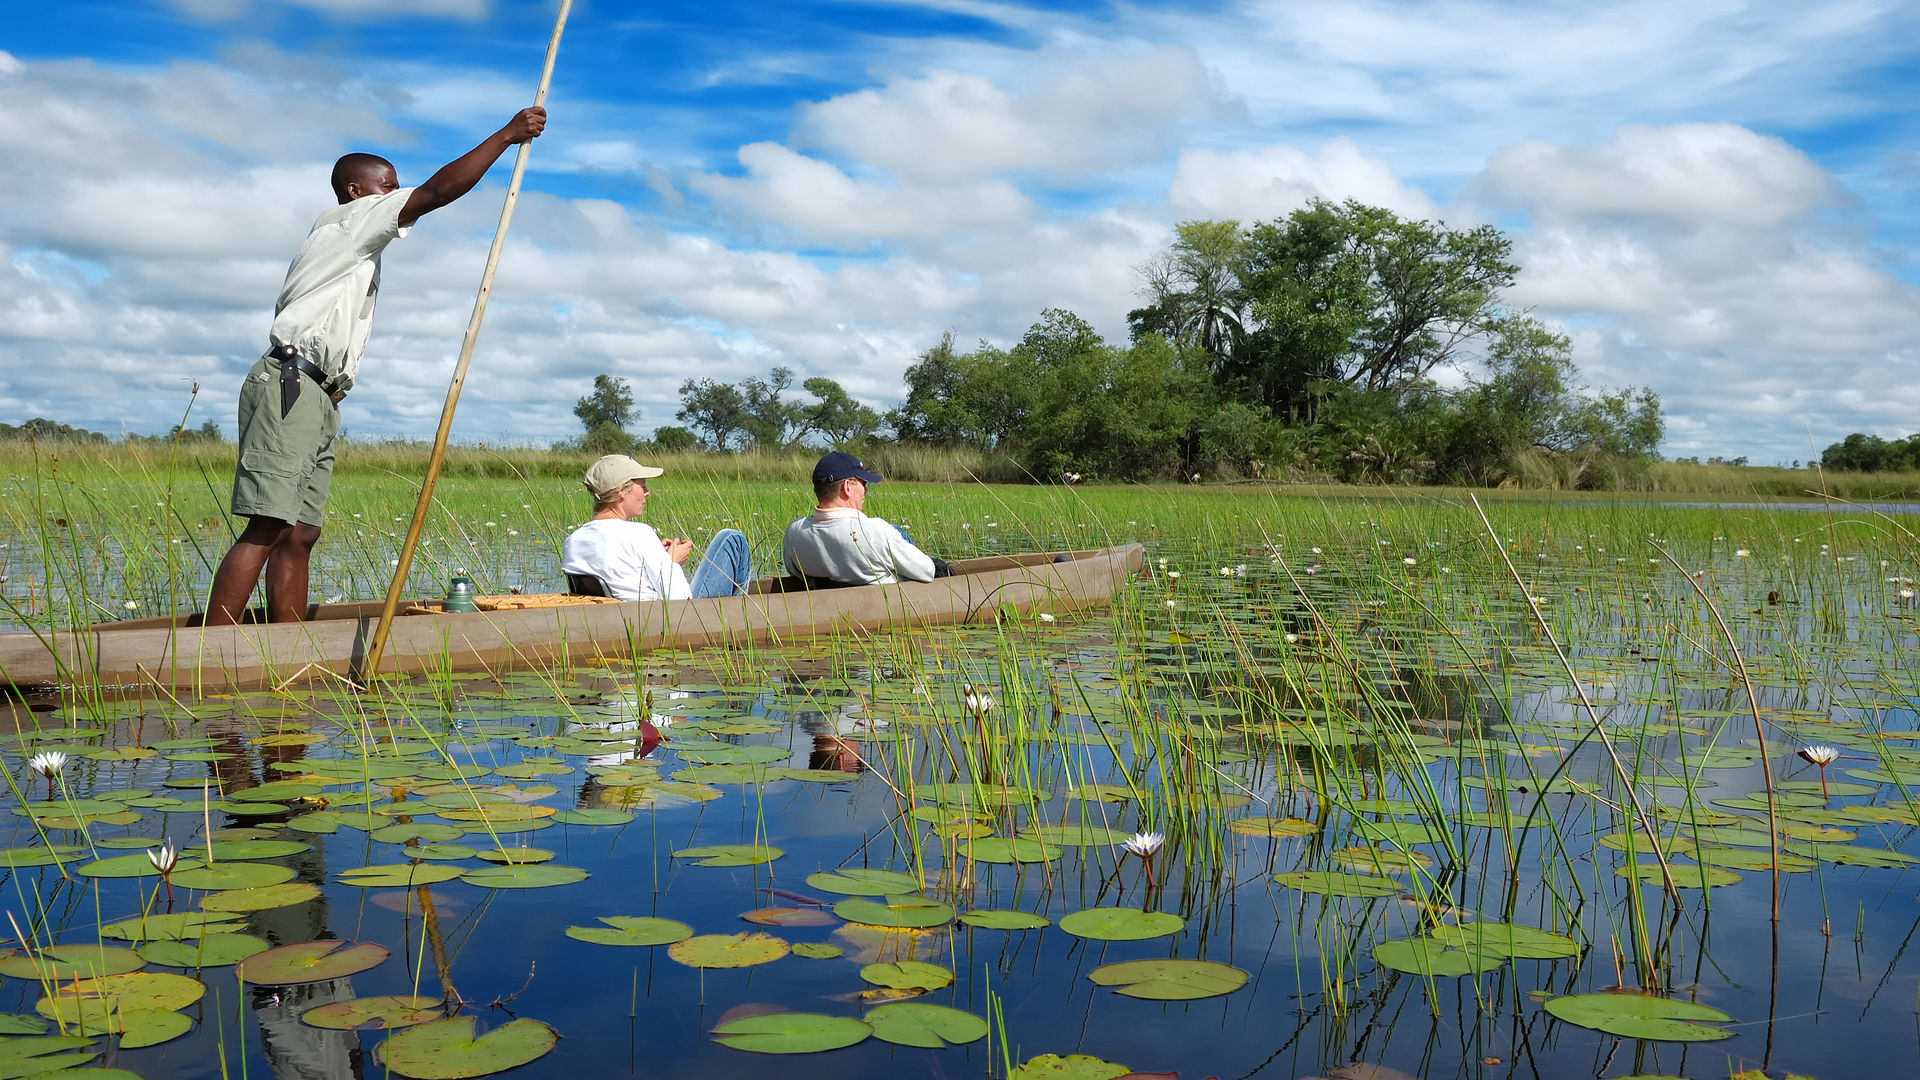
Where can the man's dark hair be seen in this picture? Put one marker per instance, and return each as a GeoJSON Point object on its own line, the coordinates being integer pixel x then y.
{"type": "Point", "coordinates": [826, 489]}
{"type": "Point", "coordinates": [356, 169]}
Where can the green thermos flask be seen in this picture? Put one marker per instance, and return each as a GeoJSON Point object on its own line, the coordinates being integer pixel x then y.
{"type": "Point", "coordinates": [459, 592]}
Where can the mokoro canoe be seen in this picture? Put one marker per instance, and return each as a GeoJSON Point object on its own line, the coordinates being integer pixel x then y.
{"type": "Point", "coordinates": [179, 655]}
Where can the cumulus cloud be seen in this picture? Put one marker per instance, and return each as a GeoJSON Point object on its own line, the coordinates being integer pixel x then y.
{"type": "Point", "coordinates": [352, 9]}
{"type": "Point", "coordinates": [1273, 180]}
{"type": "Point", "coordinates": [1081, 113]}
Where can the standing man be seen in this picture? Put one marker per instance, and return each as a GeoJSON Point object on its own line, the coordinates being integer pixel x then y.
{"type": "Point", "coordinates": [289, 403]}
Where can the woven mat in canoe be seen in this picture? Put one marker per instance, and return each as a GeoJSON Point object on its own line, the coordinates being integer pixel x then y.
{"type": "Point", "coordinates": [514, 601]}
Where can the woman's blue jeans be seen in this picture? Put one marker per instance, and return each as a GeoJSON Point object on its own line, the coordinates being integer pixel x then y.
{"type": "Point", "coordinates": [726, 569]}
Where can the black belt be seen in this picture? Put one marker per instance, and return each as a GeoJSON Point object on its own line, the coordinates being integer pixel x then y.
{"type": "Point", "coordinates": [292, 366]}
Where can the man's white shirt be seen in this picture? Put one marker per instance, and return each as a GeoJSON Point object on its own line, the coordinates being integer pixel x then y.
{"type": "Point", "coordinates": [628, 557]}
{"type": "Point", "coordinates": [846, 545]}
{"type": "Point", "coordinates": [325, 310]}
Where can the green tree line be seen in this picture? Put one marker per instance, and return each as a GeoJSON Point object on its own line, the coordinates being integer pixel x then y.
{"type": "Point", "coordinates": [1860, 452]}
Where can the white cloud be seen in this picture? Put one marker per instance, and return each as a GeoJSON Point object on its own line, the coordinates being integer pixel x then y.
{"type": "Point", "coordinates": [350, 9]}
{"type": "Point", "coordinates": [1274, 180]}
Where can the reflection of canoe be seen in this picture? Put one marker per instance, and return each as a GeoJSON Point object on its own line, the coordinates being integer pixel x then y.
{"type": "Point", "coordinates": [146, 651]}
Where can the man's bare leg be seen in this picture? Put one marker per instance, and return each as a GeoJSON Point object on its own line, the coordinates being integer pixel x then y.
{"type": "Point", "coordinates": [287, 573]}
{"type": "Point", "coordinates": [240, 570]}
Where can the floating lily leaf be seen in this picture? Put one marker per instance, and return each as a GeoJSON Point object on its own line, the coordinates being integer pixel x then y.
{"type": "Point", "coordinates": [856, 881]}
{"type": "Point", "coordinates": [1335, 883]}
{"type": "Point", "coordinates": [148, 1027]}
{"type": "Point", "coordinates": [1070, 1067]}
{"type": "Point", "coordinates": [42, 1056]}
{"type": "Point", "coordinates": [523, 877]}
{"type": "Point", "coordinates": [725, 754]}
{"type": "Point", "coordinates": [243, 850]}
{"type": "Point", "coordinates": [1881, 858]}
{"type": "Point", "coordinates": [1121, 924]}
{"type": "Point", "coordinates": [1004, 851]}
{"type": "Point", "coordinates": [790, 916]}
{"type": "Point", "coordinates": [499, 813]}
{"type": "Point", "coordinates": [448, 1049]}
{"type": "Point", "coordinates": [441, 852]}
{"type": "Point", "coordinates": [1503, 939]}
{"type": "Point", "coordinates": [912, 912]}
{"type": "Point", "coordinates": [1073, 836]}
{"type": "Point", "coordinates": [397, 875]}
{"type": "Point", "coordinates": [1169, 980]}
{"type": "Point", "coordinates": [1427, 956]}
{"type": "Point", "coordinates": [1758, 859]}
{"type": "Point", "coordinates": [262, 899]}
{"type": "Point", "coordinates": [1640, 1016]}
{"type": "Point", "coordinates": [593, 817]}
{"type": "Point", "coordinates": [385, 1011]}
{"type": "Point", "coordinates": [66, 962]}
{"type": "Point", "coordinates": [1005, 920]}
{"type": "Point", "coordinates": [131, 866]}
{"type": "Point", "coordinates": [310, 961]}
{"type": "Point", "coordinates": [1685, 875]}
{"type": "Point", "coordinates": [908, 975]}
{"type": "Point", "coordinates": [913, 1023]}
{"type": "Point", "coordinates": [1272, 826]}
{"type": "Point", "coordinates": [632, 930]}
{"type": "Point", "coordinates": [170, 927]}
{"type": "Point", "coordinates": [1100, 793]}
{"type": "Point", "coordinates": [730, 854]}
{"type": "Point", "coordinates": [1381, 860]}
{"type": "Point", "coordinates": [276, 791]}
{"type": "Point", "coordinates": [22, 1024]}
{"type": "Point", "coordinates": [430, 831]}
{"type": "Point", "coordinates": [211, 950]}
{"type": "Point", "coordinates": [747, 949]}
{"type": "Point", "coordinates": [517, 856]}
{"type": "Point", "coordinates": [814, 950]}
{"type": "Point", "coordinates": [791, 1033]}
{"type": "Point", "coordinates": [239, 875]}
{"type": "Point", "coordinates": [92, 1000]}
{"type": "Point", "coordinates": [39, 856]}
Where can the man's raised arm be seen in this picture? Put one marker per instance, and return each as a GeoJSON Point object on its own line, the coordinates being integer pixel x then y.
{"type": "Point", "coordinates": [457, 177]}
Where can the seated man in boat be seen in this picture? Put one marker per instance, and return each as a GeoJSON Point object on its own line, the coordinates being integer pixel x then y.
{"type": "Point", "coordinates": [838, 544]}
{"type": "Point", "coordinates": [630, 559]}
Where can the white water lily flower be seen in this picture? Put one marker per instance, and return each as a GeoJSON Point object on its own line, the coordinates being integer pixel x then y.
{"type": "Point", "coordinates": [1741, 553]}
{"type": "Point", "coordinates": [1170, 603]}
{"type": "Point", "coordinates": [48, 763]}
{"type": "Point", "coordinates": [131, 604]}
{"type": "Point", "coordinates": [1411, 561]}
{"type": "Point", "coordinates": [979, 701]}
{"type": "Point", "coordinates": [1292, 638]}
{"type": "Point", "coordinates": [1906, 594]}
{"type": "Point", "coordinates": [1173, 573]}
{"type": "Point", "coordinates": [164, 857]}
{"type": "Point", "coordinates": [1822, 756]}
{"type": "Point", "coordinates": [1144, 844]}
{"type": "Point", "coordinates": [1316, 551]}
{"type": "Point", "coordinates": [1044, 617]}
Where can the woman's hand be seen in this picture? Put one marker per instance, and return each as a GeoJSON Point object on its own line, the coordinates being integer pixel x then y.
{"type": "Point", "coordinates": [678, 548]}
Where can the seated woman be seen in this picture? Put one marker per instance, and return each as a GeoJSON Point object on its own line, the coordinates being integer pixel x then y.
{"type": "Point", "coordinates": [631, 559]}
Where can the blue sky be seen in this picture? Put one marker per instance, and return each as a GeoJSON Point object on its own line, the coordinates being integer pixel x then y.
{"type": "Point", "coordinates": [1715, 198]}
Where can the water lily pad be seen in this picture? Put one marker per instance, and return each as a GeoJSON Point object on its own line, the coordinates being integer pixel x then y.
{"type": "Point", "coordinates": [1505, 939]}
{"type": "Point", "coordinates": [1005, 851]}
{"type": "Point", "coordinates": [1169, 980]}
{"type": "Point", "coordinates": [397, 875]}
{"type": "Point", "coordinates": [1121, 924]}
{"type": "Point", "coordinates": [448, 1049]}
{"type": "Point", "coordinates": [1069, 1067]}
{"type": "Point", "coordinates": [1881, 858]}
{"type": "Point", "coordinates": [791, 1033]}
{"type": "Point", "coordinates": [632, 930]}
{"type": "Point", "coordinates": [385, 1011]}
{"type": "Point", "coordinates": [913, 1023]}
{"type": "Point", "coordinates": [68, 961]}
{"type": "Point", "coordinates": [310, 961]}
{"type": "Point", "coordinates": [814, 950]}
{"type": "Point", "coordinates": [1685, 875]}
{"type": "Point", "coordinates": [593, 816]}
{"type": "Point", "coordinates": [790, 916]}
{"type": "Point", "coordinates": [493, 813]}
{"type": "Point", "coordinates": [746, 949]}
{"type": "Point", "coordinates": [1076, 835]}
{"type": "Point", "coordinates": [908, 975]}
{"type": "Point", "coordinates": [730, 854]}
{"type": "Point", "coordinates": [131, 866]}
{"type": "Point", "coordinates": [211, 950]}
{"type": "Point", "coordinates": [432, 832]}
{"type": "Point", "coordinates": [1640, 1016]}
{"type": "Point", "coordinates": [1272, 826]}
{"type": "Point", "coordinates": [1427, 956]}
{"type": "Point", "coordinates": [237, 875]}
{"type": "Point", "coordinates": [170, 927]}
{"type": "Point", "coordinates": [858, 881]}
{"type": "Point", "coordinates": [23, 1024]}
{"type": "Point", "coordinates": [264, 898]}
{"type": "Point", "coordinates": [517, 856]}
{"type": "Point", "coordinates": [41, 855]}
{"type": "Point", "coordinates": [148, 1027]}
{"type": "Point", "coordinates": [1336, 883]}
{"type": "Point", "coordinates": [93, 1000]}
{"type": "Point", "coordinates": [910, 912]}
{"type": "Point", "coordinates": [442, 852]}
{"type": "Point", "coordinates": [42, 1056]}
{"type": "Point", "coordinates": [523, 877]}
{"type": "Point", "coordinates": [256, 848]}
{"type": "Point", "coordinates": [1005, 920]}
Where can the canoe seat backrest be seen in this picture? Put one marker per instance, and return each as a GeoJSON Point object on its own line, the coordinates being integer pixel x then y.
{"type": "Point", "coordinates": [586, 585]}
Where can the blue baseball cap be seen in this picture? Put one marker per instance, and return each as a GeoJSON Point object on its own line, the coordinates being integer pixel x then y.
{"type": "Point", "coordinates": [840, 465]}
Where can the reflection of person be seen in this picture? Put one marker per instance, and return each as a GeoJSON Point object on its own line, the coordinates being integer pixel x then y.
{"type": "Point", "coordinates": [289, 402]}
{"type": "Point", "coordinates": [631, 559]}
{"type": "Point", "coordinates": [838, 544]}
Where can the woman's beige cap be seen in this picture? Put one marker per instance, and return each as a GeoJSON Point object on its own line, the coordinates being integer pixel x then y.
{"type": "Point", "coordinates": [610, 473]}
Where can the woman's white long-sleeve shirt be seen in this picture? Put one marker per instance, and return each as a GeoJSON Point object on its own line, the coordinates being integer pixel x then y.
{"type": "Point", "coordinates": [846, 545]}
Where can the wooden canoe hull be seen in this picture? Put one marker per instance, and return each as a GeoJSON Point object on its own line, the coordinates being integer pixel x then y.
{"type": "Point", "coordinates": [252, 656]}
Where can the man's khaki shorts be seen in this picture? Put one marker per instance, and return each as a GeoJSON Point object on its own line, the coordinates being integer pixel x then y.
{"type": "Point", "coordinates": [285, 464]}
